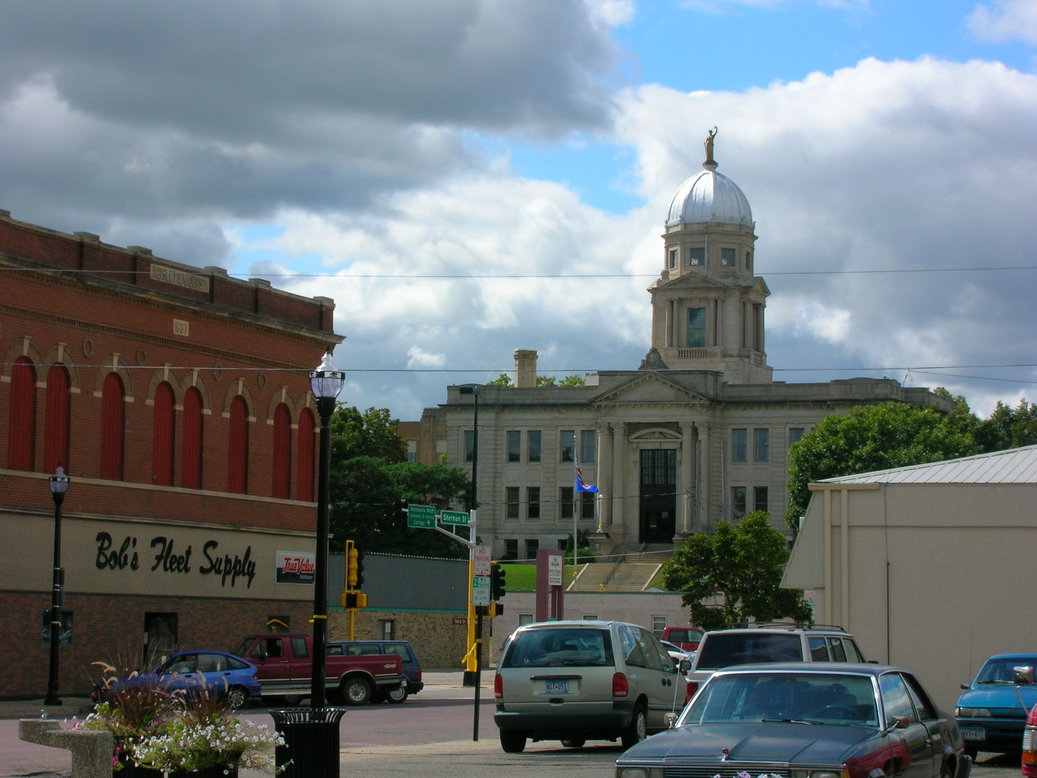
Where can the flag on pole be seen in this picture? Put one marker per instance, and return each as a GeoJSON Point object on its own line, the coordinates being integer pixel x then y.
{"type": "Point", "coordinates": [581, 485]}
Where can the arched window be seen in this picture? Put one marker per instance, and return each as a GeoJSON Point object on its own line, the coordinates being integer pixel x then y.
{"type": "Point", "coordinates": [21, 423]}
{"type": "Point", "coordinates": [282, 453]}
{"type": "Point", "coordinates": [191, 451]}
{"type": "Point", "coordinates": [113, 417]}
{"type": "Point", "coordinates": [237, 446]}
{"type": "Point", "coordinates": [163, 428]}
{"type": "Point", "coordinates": [59, 411]}
{"type": "Point", "coordinates": [305, 456]}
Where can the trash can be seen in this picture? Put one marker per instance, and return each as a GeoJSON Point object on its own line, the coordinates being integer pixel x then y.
{"type": "Point", "coordinates": [311, 742]}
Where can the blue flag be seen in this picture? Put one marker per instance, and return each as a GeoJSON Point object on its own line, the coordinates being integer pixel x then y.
{"type": "Point", "coordinates": [581, 485]}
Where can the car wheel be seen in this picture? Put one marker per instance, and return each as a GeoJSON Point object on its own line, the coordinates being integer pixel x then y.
{"type": "Point", "coordinates": [237, 697]}
{"type": "Point", "coordinates": [397, 695]}
{"type": "Point", "coordinates": [512, 741]}
{"type": "Point", "coordinates": [971, 752]}
{"type": "Point", "coordinates": [356, 691]}
{"type": "Point", "coordinates": [573, 742]}
{"type": "Point", "coordinates": [637, 729]}
{"type": "Point", "coordinates": [292, 699]}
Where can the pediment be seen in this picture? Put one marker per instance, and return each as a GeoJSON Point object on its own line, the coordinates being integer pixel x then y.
{"type": "Point", "coordinates": [651, 388]}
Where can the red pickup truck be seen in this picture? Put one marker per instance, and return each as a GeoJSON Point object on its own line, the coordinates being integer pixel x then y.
{"type": "Point", "coordinates": [285, 668]}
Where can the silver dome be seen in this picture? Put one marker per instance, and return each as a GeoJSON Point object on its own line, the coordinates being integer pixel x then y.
{"type": "Point", "coordinates": [709, 196]}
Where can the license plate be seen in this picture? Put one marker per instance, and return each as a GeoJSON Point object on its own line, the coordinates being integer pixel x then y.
{"type": "Point", "coordinates": [973, 733]}
{"type": "Point", "coordinates": [556, 687]}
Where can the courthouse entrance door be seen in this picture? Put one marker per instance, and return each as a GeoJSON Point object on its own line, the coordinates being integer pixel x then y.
{"type": "Point", "coordinates": [658, 498]}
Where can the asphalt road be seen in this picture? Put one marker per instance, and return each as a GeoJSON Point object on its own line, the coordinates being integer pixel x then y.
{"type": "Point", "coordinates": [432, 734]}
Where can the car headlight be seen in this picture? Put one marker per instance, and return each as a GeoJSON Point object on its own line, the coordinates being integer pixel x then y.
{"type": "Point", "coordinates": [638, 772]}
{"type": "Point", "coordinates": [818, 772]}
{"type": "Point", "coordinates": [972, 713]}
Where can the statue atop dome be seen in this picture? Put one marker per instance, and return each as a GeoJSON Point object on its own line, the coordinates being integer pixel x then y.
{"type": "Point", "coordinates": [709, 147]}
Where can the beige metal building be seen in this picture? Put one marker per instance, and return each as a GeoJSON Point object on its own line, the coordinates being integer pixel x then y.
{"type": "Point", "coordinates": [929, 566]}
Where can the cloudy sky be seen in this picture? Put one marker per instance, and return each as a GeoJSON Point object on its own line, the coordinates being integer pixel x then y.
{"type": "Point", "coordinates": [469, 177]}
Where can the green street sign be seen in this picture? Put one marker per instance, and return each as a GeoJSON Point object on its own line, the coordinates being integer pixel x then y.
{"type": "Point", "coordinates": [458, 518]}
{"type": "Point", "coordinates": [421, 516]}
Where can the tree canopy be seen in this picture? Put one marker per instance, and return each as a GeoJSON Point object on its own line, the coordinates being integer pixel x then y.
{"type": "Point", "coordinates": [370, 474]}
{"type": "Point", "coordinates": [872, 437]}
{"type": "Point", "coordinates": [733, 575]}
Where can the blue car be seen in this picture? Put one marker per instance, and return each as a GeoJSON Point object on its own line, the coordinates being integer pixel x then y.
{"type": "Point", "coordinates": [187, 671]}
{"type": "Point", "coordinates": [992, 710]}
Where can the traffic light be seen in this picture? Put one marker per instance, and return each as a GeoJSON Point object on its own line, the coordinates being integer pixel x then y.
{"type": "Point", "coordinates": [358, 568]}
{"type": "Point", "coordinates": [496, 609]}
{"type": "Point", "coordinates": [498, 581]}
{"type": "Point", "coordinates": [354, 600]}
{"type": "Point", "coordinates": [351, 560]}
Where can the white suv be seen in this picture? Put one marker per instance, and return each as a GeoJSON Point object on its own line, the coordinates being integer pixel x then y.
{"type": "Point", "coordinates": [583, 680]}
{"type": "Point", "coordinates": [770, 643]}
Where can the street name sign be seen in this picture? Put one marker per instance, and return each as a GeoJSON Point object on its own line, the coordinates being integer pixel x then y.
{"type": "Point", "coordinates": [421, 516]}
{"type": "Point", "coordinates": [457, 518]}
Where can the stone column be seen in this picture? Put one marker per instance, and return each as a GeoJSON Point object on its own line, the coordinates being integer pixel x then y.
{"type": "Point", "coordinates": [604, 482]}
{"type": "Point", "coordinates": [703, 493]}
{"type": "Point", "coordinates": [619, 454]}
{"type": "Point", "coordinates": [686, 480]}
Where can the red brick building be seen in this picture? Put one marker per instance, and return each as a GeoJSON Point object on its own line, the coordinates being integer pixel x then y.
{"type": "Point", "coordinates": [178, 401]}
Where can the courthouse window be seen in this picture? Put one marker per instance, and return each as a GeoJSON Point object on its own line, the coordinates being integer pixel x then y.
{"type": "Point", "coordinates": [514, 445]}
{"type": "Point", "coordinates": [533, 502]}
{"type": "Point", "coordinates": [696, 327]}
{"type": "Point", "coordinates": [738, 445]}
{"type": "Point", "coordinates": [511, 502]}
{"type": "Point", "coordinates": [567, 445]}
{"type": "Point", "coordinates": [737, 502]}
{"type": "Point", "coordinates": [533, 446]}
{"type": "Point", "coordinates": [588, 445]}
{"type": "Point", "coordinates": [761, 445]}
{"type": "Point", "coordinates": [565, 502]}
{"type": "Point", "coordinates": [760, 498]}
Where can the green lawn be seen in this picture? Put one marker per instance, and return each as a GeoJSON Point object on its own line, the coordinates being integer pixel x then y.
{"type": "Point", "coordinates": [523, 578]}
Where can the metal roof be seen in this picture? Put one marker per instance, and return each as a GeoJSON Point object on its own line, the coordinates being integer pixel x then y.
{"type": "Point", "coordinates": [1013, 466]}
{"type": "Point", "coordinates": [709, 196]}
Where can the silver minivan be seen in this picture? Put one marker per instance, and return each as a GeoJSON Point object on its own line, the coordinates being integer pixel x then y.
{"type": "Point", "coordinates": [576, 681]}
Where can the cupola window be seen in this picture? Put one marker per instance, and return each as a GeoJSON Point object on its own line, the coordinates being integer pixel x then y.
{"type": "Point", "coordinates": [727, 257]}
{"type": "Point", "coordinates": [673, 258]}
{"type": "Point", "coordinates": [696, 256]}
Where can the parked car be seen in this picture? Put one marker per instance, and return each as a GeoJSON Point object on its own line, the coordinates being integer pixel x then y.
{"type": "Point", "coordinates": [576, 681]}
{"type": "Point", "coordinates": [676, 652]}
{"type": "Point", "coordinates": [1029, 745]}
{"type": "Point", "coordinates": [190, 671]}
{"type": "Point", "coordinates": [687, 638]}
{"type": "Point", "coordinates": [817, 720]}
{"type": "Point", "coordinates": [402, 648]}
{"type": "Point", "coordinates": [284, 666]}
{"type": "Point", "coordinates": [992, 710]}
{"type": "Point", "coordinates": [770, 643]}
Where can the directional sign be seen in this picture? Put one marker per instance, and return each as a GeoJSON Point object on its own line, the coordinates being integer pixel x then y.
{"type": "Point", "coordinates": [421, 516]}
{"type": "Point", "coordinates": [459, 518]}
{"type": "Point", "coordinates": [481, 590]}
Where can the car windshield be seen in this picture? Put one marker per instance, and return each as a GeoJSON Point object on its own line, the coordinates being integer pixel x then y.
{"type": "Point", "coordinates": [559, 648]}
{"type": "Point", "coordinates": [1000, 670]}
{"type": "Point", "coordinates": [723, 650]}
{"type": "Point", "coordinates": [816, 698]}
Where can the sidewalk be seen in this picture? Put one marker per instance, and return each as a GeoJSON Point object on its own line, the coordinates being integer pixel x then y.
{"type": "Point", "coordinates": [72, 705]}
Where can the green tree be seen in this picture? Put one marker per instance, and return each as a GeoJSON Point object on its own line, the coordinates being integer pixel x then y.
{"type": "Point", "coordinates": [371, 433]}
{"type": "Point", "coordinates": [1008, 427]}
{"type": "Point", "coordinates": [733, 575]}
{"type": "Point", "coordinates": [873, 437]}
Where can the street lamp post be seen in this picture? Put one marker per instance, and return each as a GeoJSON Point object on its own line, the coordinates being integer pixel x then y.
{"type": "Point", "coordinates": [326, 383]}
{"type": "Point", "coordinates": [58, 486]}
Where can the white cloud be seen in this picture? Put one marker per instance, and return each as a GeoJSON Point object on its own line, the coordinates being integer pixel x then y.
{"type": "Point", "coordinates": [1005, 20]}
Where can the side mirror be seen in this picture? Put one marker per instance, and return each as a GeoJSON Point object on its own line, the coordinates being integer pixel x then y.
{"type": "Point", "coordinates": [1022, 675]}
{"type": "Point", "coordinates": [684, 665]}
{"type": "Point", "coordinates": [670, 719]}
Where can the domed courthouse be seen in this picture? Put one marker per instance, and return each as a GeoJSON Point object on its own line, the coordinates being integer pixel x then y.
{"type": "Point", "coordinates": [698, 433]}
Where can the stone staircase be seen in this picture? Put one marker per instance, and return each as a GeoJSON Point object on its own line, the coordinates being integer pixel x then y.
{"type": "Point", "coordinates": [614, 577]}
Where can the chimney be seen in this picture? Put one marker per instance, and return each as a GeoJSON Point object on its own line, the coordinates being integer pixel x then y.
{"type": "Point", "coordinates": [525, 369]}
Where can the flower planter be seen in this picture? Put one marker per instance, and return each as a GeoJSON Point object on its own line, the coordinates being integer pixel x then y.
{"type": "Point", "coordinates": [124, 765]}
{"type": "Point", "coordinates": [208, 772]}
